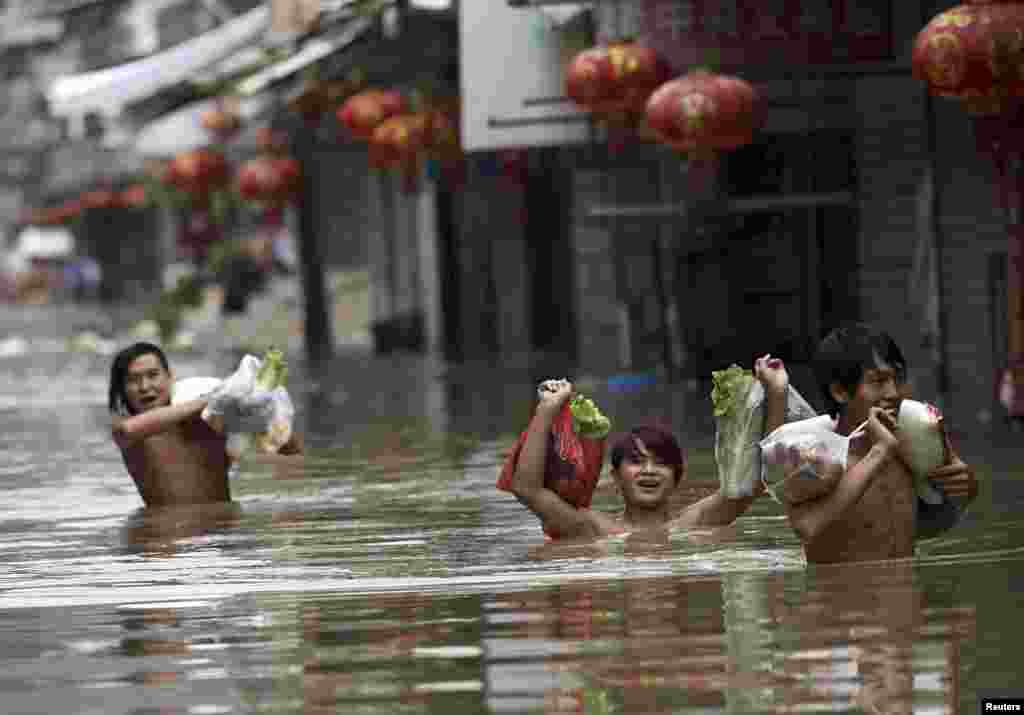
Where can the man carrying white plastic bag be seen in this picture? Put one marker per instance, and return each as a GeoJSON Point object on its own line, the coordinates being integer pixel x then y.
{"type": "Point", "coordinates": [861, 482]}
{"type": "Point", "coordinates": [172, 453]}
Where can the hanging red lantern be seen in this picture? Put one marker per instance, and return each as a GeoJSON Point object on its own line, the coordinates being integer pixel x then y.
{"type": "Point", "coordinates": [362, 113]}
{"type": "Point", "coordinates": [443, 135]}
{"type": "Point", "coordinates": [618, 77]}
{"type": "Point", "coordinates": [133, 196]}
{"type": "Point", "coordinates": [975, 53]}
{"type": "Point", "coordinates": [222, 120]}
{"type": "Point", "coordinates": [290, 174]}
{"type": "Point", "coordinates": [703, 113]}
{"type": "Point", "coordinates": [99, 199]}
{"type": "Point", "coordinates": [400, 139]}
{"type": "Point", "coordinates": [272, 141]}
{"type": "Point", "coordinates": [198, 172]}
{"type": "Point", "coordinates": [268, 179]}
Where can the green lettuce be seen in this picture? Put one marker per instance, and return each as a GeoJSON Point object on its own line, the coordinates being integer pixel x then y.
{"type": "Point", "coordinates": [273, 370]}
{"type": "Point", "coordinates": [587, 419]}
{"type": "Point", "coordinates": [729, 389]}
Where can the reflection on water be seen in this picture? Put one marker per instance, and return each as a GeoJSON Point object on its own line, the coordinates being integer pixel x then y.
{"type": "Point", "coordinates": [385, 574]}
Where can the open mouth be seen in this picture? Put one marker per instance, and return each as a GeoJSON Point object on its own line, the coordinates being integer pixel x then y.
{"type": "Point", "coordinates": [648, 483]}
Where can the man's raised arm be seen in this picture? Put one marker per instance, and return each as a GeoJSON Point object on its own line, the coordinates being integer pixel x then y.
{"type": "Point", "coordinates": [130, 430]}
{"type": "Point", "coordinates": [528, 478]}
{"type": "Point", "coordinates": [717, 509]}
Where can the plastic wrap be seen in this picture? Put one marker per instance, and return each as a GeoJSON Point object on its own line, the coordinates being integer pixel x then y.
{"type": "Point", "coordinates": [804, 460]}
{"type": "Point", "coordinates": [251, 407]}
{"type": "Point", "coordinates": [572, 466]}
{"type": "Point", "coordinates": [739, 427]}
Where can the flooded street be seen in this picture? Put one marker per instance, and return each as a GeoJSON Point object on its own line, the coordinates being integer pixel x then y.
{"type": "Point", "coordinates": [388, 575]}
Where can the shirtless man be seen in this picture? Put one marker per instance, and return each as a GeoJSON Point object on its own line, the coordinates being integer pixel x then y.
{"type": "Point", "coordinates": [873, 512]}
{"type": "Point", "coordinates": [647, 465]}
{"type": "Point", "coordinates": [171, 453]}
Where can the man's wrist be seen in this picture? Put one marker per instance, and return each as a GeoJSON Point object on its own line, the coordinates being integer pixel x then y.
{"type": "Point", "coordinates": [883, 451]}
{"type": "Point", "coordinates": [547, 412]}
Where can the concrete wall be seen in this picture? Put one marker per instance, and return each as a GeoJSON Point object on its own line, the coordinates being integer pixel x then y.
{"type": "Point", "coordinates": [972, 233]}
{"type": "Point", "coordinates": [895, 285]}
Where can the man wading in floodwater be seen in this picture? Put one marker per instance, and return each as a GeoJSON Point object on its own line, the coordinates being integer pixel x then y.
{"type": "Point", "coordinates": [647, 466]}
{"type": "Point", "coordinates": [171, 453]}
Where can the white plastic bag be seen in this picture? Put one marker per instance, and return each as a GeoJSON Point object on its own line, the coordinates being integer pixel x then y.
{"type": "Point", "coordinates": [738, 433]}
{"type": "Point", "coordinates": [804, 460]}
{"type": "Point", "coordinates": [251, 415]}
{"type": "Point", "coordinates": [224, 406]}
{"type": "Point", "coordinates": [819, 455]}
{"type": "Point", "coordinates": [192, 388]}
{"type": "Point", "coordinates": [275, 430]}
{"type": "Point", "coordinates": [923, 441]}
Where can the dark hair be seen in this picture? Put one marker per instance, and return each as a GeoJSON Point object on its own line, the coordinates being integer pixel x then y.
{"type": "Point", "coordinates": [846, 353]}
{"type": "Point", "coordinates": [658, 440]}
{"type": "Point", "coordinates": [118, 401]}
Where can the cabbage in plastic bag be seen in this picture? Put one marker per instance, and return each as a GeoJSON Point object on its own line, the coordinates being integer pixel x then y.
{"type": "Point", "coordinates": [923, 441]}
{"type": "Point", "coordinates": [738, 400]}
{"type": "Point", "coordinates": [252, 406]}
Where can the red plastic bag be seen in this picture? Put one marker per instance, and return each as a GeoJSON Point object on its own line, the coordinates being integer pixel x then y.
{"type": "Point", "coordinates": [572, 467]}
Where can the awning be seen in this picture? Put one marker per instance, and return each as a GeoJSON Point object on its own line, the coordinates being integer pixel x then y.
{"type": "Point", "coordinates": [312, 52]}
{"type": "Point", "coordinates": [107, 91]}
{"type": "Point", "coordinates": [181, 130]}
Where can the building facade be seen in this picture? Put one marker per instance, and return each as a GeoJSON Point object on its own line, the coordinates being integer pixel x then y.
{"type": "Point", "coordinates": [861, 198]}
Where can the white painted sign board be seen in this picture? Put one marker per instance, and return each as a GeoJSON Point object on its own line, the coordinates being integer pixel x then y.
{"type": "Point", "coordinates": [513, 84]}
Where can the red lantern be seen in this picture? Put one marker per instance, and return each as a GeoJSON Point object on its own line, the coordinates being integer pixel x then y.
{"type": "Point", "coordinates": [399, 140]}
{"type": "Point", "coordinates": [198, 172]}
{"type": "Point", "coordinates": [703, 112]}
{"type": "Point", "coordinates": [443, 136]}
{"type": "Point", "coordinates": [290, 174]}
{"type": "Point", "coordinates": [99, 199]}
{"type": "Point", "coordinates": [272, 141]}
{"type": "Point", "coordinates": [222, 120]}
{"type": "Point", "coordinates": [618, 77]}
{"type": "Point", "coordinates": [362, 113]}
{"type": "Point", "coordinates": [268, 179]}
{"type": "Point", "coordinates": [974, 52]}
{"type": "Point", "coordinates": [134, 196]}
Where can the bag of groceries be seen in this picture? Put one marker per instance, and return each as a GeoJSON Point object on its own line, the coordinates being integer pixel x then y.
{"type": "Point", "coordinates": [738, 400]}
{"type": "Point", "coordinates": [806, 459]}
{"type": "Point", "coordinates": [251, 406]}
{"type": "Point", "coordinates": [574, 456]}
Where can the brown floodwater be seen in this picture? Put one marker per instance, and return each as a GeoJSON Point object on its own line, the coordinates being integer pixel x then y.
{"type": "Point", "coordinates": [387, 575]}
